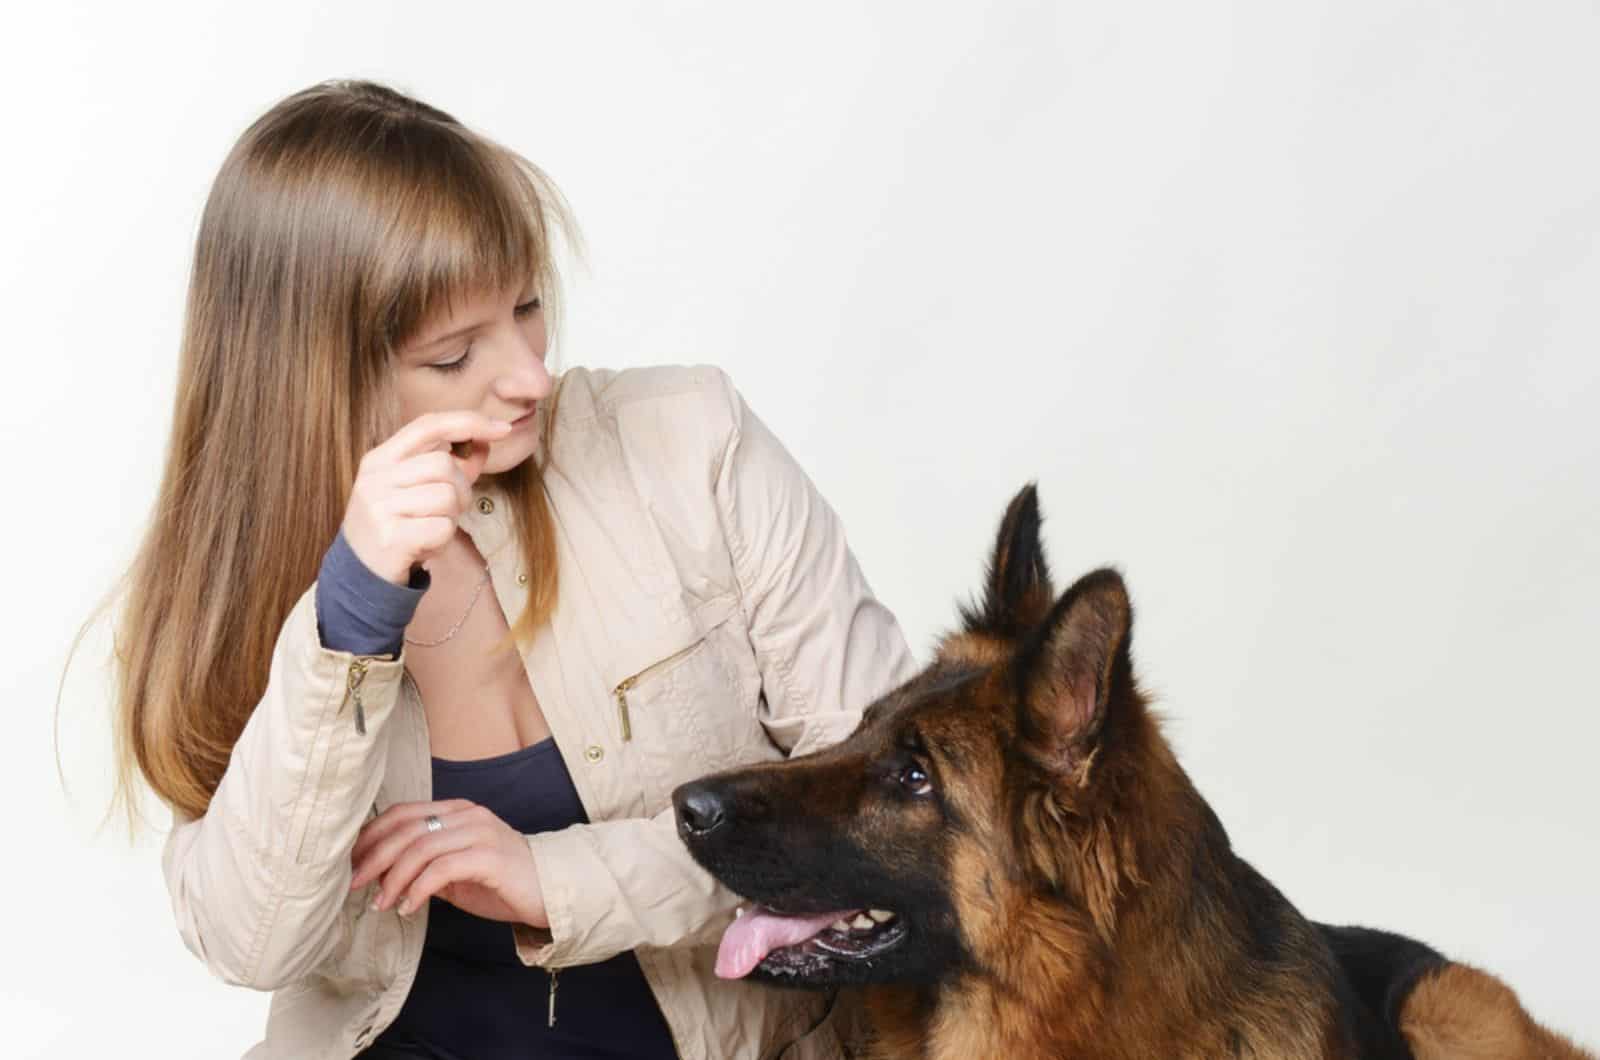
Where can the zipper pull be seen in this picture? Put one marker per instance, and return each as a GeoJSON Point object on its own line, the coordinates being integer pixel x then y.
{"type": "Point", "coordinates": [553, 973]}
{"type": "Point", "coordinates": [622, 708]}
{"type": "Point", "coordinates": [357, 674]}
{"type": "Point", "coordinates": [621, 691]}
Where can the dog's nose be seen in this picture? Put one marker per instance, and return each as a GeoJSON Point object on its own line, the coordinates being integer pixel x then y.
{"type": "Point", "coordinates": [700, 809]}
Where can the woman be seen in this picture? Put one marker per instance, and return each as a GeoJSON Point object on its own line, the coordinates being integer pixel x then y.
{"type": "Point", "coordinates": [420, 640]}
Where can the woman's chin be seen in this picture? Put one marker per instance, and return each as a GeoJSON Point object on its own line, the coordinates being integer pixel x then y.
{"type": "Point", "coordinates": [505, 455]}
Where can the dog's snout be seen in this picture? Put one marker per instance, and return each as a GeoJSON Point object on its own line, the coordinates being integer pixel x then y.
{"type": "Point", "coordinates": [700, 809]}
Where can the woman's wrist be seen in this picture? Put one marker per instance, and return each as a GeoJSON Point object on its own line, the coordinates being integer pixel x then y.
{"type": "Point", "coordinates": [360, 611]}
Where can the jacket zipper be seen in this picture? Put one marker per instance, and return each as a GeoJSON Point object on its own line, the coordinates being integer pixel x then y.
{"type": "Point", "coordinates": [621, 691]}
{"type": "Point", "coordinates": [352, 693]}
{"type": "Point", "coordinates": [553, 973]}
{"type": "Point", "coordinates": [353, 679]}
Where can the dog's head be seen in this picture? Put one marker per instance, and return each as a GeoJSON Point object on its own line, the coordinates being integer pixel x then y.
{"type": "Point", "coordinates": [975, 806]}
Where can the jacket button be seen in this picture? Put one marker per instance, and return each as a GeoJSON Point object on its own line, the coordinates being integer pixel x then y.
{"type": "Point", "coordinates": [522, 579]}
{"type": "Point", "coordinates": [594, 753]}
{"type": "Point", "coordinates": [485, 505]}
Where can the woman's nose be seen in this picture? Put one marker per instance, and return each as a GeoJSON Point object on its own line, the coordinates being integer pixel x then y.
{"type": "Point", "coordinates": [536, 379]}
{"type": "Point", "coordinates": [526, 377]}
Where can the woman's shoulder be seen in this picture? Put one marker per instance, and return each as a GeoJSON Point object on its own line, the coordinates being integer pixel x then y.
{"type": "Point", "coordinates": [680, 415]}
{"type": "Point", "coordinates": [595, 394]}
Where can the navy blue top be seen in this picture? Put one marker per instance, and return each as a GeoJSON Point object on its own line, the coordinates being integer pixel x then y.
{"type": "Point", "coordinates": [473, 998]}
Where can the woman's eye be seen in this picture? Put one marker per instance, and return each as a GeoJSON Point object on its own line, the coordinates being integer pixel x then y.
{"type": "Point", "coordinates": [915, 780]}
{"type": "Point", "coordinates": [455, 365]}
{"type": "Point", "coordinates": [522, 312]}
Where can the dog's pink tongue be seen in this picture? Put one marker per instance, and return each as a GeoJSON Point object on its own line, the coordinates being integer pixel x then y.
{"type": "Point", "coordinates": [758, 932]}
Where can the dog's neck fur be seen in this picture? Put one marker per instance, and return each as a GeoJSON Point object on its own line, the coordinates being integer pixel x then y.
{"type": "Point", "coordinates": [1225, 986]}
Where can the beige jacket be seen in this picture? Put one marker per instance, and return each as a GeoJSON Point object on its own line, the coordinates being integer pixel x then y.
{"type": "Point", "coordinates": [710, 614]}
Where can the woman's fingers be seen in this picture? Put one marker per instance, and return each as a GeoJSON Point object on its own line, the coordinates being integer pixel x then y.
{"type": "Point", "coordinates": [435, 430]}
{"type": "Point", "coordinates": [475, 861]}
{"type": "Point", "coordinates": [437, 466]}
{"type": "Point", "coordinates": [383, 838]}
{"type": "Point", "coordinates": [403, 815]}
{"type": "Point", "coordinates": [471, 460]}
{"type": "Point", "coordinates": [396, 883]}
{"type": "Point", "coordinates": [430, 498]}
{"type": "Point", "coordinates": [463, 865]}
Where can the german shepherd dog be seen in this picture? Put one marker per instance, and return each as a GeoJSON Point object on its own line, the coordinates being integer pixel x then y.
{"type": "Point", "coordinates": [1008, 857]}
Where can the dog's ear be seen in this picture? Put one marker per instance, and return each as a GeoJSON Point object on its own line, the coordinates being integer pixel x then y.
{"type": "Point", "coordinates": [1072, 669]}
{"type": "Point", "coordinates": [1017, 592]}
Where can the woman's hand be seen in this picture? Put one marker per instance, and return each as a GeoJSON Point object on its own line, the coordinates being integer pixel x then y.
{"type": "Point", "coordinates": [476, 862]}
{"type": "Point", "coordinates": [410, 490]}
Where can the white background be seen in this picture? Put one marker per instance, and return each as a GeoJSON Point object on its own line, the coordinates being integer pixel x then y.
{"type": "Point", "coordinates": [1292, 309]}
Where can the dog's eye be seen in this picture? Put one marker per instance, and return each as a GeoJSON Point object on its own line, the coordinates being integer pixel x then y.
{"type": "Point", "coordinates": [915, 780]}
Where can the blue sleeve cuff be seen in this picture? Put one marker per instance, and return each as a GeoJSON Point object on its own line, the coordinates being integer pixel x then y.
{"type": "Point", "coordinates": [359, 611]}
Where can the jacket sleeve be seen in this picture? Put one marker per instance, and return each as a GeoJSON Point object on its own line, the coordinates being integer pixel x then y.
{"type": "Point", "coordinates": [258, 882]}
{"type": "Point", "coordinates": [825, 648]}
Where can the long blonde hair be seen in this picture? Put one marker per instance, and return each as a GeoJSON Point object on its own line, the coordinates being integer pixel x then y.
{"type": "Point", "coordinates": [343, 219]}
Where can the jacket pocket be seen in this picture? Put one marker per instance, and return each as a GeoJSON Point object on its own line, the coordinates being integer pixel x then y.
{"type": "Point", "coordinates": [690, 706]}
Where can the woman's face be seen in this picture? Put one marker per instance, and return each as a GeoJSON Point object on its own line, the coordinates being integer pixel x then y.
{"type": "Point", "coordinates": [488, 356]}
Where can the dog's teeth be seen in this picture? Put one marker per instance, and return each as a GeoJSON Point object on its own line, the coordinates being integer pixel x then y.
{"type": "Point", "coordinates": [862, 921]}
{"type": "Point", "coordinates": [882, 916]}
{"type": "Point", "coordinates": [840, 925]}
{"type": "Point", "coordinates": [739, 912]}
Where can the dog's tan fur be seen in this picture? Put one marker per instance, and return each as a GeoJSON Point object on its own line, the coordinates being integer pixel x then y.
{"type": "Point", "coordinates": [1461, 1013]}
